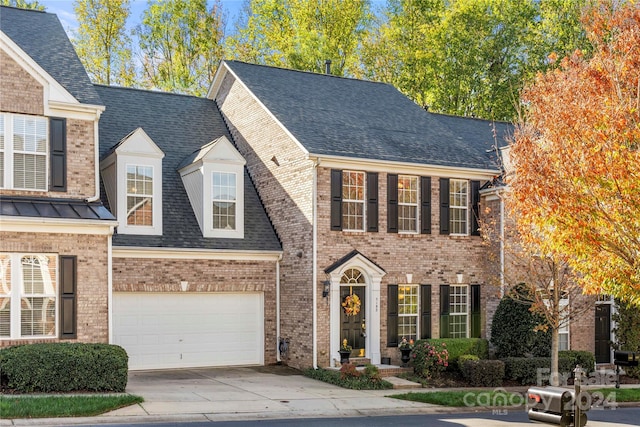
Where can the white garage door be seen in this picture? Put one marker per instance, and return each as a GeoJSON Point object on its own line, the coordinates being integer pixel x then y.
{"type": "Point", "coordinates": [173, 330]}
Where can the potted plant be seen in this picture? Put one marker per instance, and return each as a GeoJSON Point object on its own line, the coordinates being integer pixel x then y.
{"type": "Point", "coordinates": [405, 350]}
{"type": "Point", "coordinates": [345, 351]}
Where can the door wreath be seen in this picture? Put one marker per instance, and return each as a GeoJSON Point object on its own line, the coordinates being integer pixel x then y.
{"type": "Point", "coordinates": [351, 304]}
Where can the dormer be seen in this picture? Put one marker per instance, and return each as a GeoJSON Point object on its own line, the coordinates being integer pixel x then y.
{"type": "Point", "coordinates": [132, 176]}
{"type": "Point", "coordinates": [213, 177]}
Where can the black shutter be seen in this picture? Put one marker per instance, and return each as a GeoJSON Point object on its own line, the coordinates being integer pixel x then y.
{"type": "Point", "coordinates": [425, 311]}
{"type": "Point", "coordinates": [336, 200]}
{"type": "Point", "coordinates": [392, 316]}
{"type": "Point", "coordinates": [372, 201]}
{"type": "Point", "coordinates": [444, 311]}
{"type": "Point", "coordinates": [476, 327]}
{"type": "Point", "coordinates": [68, 285]}
{"type": "Point", "coordinates": [392, 203]}
{"type": "Point", "coordinates": [475, 207]}
{"type": "Point", "coordinates": [425, 205]}
{"type": "Point", "coordinates": [444, 205]}
{"type": "Point", "coordinates": [58, 154]}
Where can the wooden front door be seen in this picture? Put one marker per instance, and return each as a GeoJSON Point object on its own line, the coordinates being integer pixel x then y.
{"type": "Point", "coordinates": [603, 333]}
{"type": "Point", "coordinates": [353, 328]}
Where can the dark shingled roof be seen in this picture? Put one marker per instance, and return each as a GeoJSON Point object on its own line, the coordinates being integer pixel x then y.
{"type": "Point", "coordinates": [53, 208]}
{"type": "Point", "coordinates": [178, 125]}
{"type": "Point", "coordinates": [337, 116]}
{"type": "Point", "coordinates": [42, 37]}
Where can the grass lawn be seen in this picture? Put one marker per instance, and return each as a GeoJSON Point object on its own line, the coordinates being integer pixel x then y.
{"type": "Point", "coordinates": [465, 398]}
{"type": "Point", "coordinates": [500, 398]}
{"type": "Point", "coordinates": [62, 406]}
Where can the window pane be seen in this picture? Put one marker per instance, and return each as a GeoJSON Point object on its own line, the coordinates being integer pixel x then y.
{"type": "Point", "coordinates": [38, 302]}
{"type": "Point", "coordinates": [5, 317]}
{"type": "Point", "coordinates": [29, 171]}
{"type": "Point", "coordinates": [458, 308]}
{"type": "Point", "coordinates": [224, 193]}
{"type": "Point", "coordinates": [5, 291]}
{"type": "Point", "coordinates": [408, 311]}
{"type": "Point", "coordinates": [353, 194]}
{"type": "Point", "coordinates": [139, 195]}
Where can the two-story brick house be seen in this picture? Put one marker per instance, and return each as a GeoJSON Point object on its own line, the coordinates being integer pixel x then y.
{"type": "Point", "coordinates": [205, 231]}
{"type": "Point", "coordinates": [55, 233]}
{"type": "Point", "coordinates": [372, 196]}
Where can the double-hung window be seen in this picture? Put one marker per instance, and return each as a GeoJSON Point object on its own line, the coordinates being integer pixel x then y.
{"type": "Point", "coordinates": [407, 204]}
{"type": "Point", "coordinates": [408, 311]}
{"type": "Point", "coordinates": [224, 197]}
{"type": "Point", "coordinates": [23, 152]}
{"type": "Point", "coordinates": [353, 200]}
{"type": "Point", "coordinates": [139, 195]}
{"type": "Point", "coordinates": [458, 311]}
{"type": "Point", "coordinates": [459, 206]}
{"type": "Point", "coordinates": [28, 289]}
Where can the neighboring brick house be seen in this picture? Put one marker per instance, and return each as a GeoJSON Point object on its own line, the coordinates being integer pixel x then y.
{"type": "Point", "coordinates": [55, 233]}
{"type": "Point", "coordinates": [209, 231]}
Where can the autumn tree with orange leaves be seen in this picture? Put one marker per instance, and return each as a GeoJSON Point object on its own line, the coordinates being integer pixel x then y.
{"type": "Point", "coordinates": [576, 157]}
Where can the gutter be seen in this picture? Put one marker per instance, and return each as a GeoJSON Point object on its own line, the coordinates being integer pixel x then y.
{"type": "Point", "coordinates": [278, 358]}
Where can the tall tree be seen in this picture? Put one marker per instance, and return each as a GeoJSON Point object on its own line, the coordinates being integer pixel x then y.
{"type": "Point", "coordinates": [302, 34]}
{"type": "Point", "coordinates": [23, 4]}
{"type": "Point", "coordinates": [576, 156]}
{"type": "Point", "coordinates": [102, 43]}
{"type": "Point", "coordinates": [467, 57]}
{"type": "Point", "coordinates": [181, 43]}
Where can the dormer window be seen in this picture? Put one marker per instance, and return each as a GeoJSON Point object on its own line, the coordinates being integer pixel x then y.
{"type": "Point", "coordinates": [132, 176]}
{"type": "Point", "coordinates": [213, 177]}
{"type": "Point", "coordinates": [224, 200]}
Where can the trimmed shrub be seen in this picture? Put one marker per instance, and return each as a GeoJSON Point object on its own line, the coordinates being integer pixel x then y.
{"type": "Point", "coordinates": [460, 346]}
{"type": "Point", "coordinates": [585, 359]}
{"type": "Point", "coordinates": [464, 358]}
{"type": "Point", "coordinates": [483, 373]}
{"type": "Point", "coordinates": [525, 369]}
{"type": "Point", "coordinates": [360, 382]}
{"type": "Point", "coordinates": [64, 367]}
{"type": "Point", "coordinates": [513, 330]}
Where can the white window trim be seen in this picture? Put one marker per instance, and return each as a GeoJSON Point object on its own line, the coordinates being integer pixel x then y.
{"type": "Point", "coordinates": [150, 196]}
{"type": "Point", "coordinates": [9, 154]}
{"type": "Point", "coordinates": [16, 295]}
{"type": "Point", "coordinates": [123, 163]}
{"type": "Point", "coordinates": [238, 170]}
{"type": "Point", "coordinates": [564, 328]}
{"type": "Point", "coordinates": [362, 202]}
{"type": "Point", "coordinates": [416, 204]}
{"type": "Point", "coordinates": [464, 208]}
{"type": "Point", "coordinates": [465, 313]}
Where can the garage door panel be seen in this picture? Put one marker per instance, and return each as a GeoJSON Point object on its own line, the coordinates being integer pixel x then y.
{"type": "Point", "coordinates": [163, 330]}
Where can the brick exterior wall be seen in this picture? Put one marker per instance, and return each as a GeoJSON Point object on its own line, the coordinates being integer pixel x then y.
{"type": "Point", "coordinates": [92, 277]}
{"type": "Point", "coordinates": [165, 275]}
{"type": "Point", "coordinates": [20, 92]}
{"type": "Point", "coordinates": [286, 189]}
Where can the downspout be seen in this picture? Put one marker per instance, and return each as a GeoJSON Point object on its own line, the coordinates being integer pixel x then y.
{"type": "Point", "coordinates": [278, 358]}
{"type": "Point", "coordinates": [110, 284]}
{"type": "Point", "coordinates": [96, 150]}
{"type": "Point", "coordinates": [314, 198]}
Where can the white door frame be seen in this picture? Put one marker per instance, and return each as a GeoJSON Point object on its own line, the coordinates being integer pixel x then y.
{"type": "Point", "coordinates": [373, 277]}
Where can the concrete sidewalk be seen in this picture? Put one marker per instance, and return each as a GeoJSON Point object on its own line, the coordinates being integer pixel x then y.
{"type": "Point", "coordinates": [217, 394]}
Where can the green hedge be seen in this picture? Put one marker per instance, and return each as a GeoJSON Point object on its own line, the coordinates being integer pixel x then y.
{"type": "Point", "coordinates": [459, 346]}
{"type": "Point", "coordinates": [585, 359]}
{"type": "Point", "coordinates": [525, 369]}
{"type": "Point", "coordinates": [483, 373]}
{"type": "Point", "coordinates": [64, 367]}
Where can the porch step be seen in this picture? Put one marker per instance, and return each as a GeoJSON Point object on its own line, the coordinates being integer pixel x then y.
{"type": "Point", "coordinates": [402, 384]}
{"type": "Point", "coordinates": [359, 361]}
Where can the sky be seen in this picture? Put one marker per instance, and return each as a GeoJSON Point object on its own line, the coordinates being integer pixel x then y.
{"type": "Point", "coordinates": [64, 10]}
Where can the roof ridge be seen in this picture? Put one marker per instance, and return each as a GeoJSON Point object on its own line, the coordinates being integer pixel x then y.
{"type": "Point", "coordinates": [153, 91]}
{"type": "Point", "coordinates": [22, 8]}
{"type": "Point", "coordinates": [307, 72]}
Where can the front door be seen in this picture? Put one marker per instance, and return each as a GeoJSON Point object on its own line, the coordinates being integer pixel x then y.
{"type": "Point", "coordinates": [353, 326]}
{"type": "Point", "coordinates": [603, 333]}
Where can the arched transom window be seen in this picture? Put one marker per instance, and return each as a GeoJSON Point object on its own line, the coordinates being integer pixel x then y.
{"type": "Point", "coordinates": [352, 276]}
